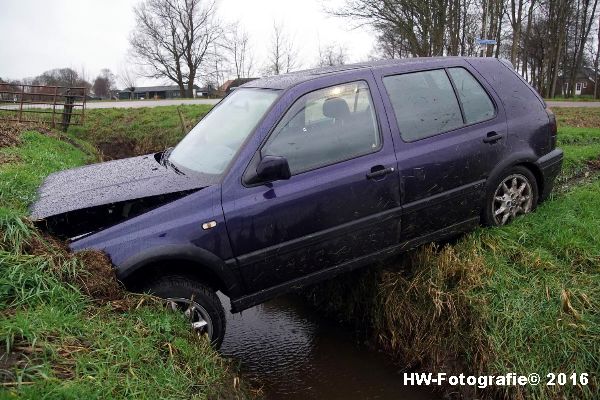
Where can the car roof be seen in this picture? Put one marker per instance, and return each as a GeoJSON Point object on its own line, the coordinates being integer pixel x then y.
{"type": "Point", "coordinates": [285, 81]}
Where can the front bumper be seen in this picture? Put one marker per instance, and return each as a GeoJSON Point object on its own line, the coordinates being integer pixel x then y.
{"type": "Point", "coordinates": [549, 166]}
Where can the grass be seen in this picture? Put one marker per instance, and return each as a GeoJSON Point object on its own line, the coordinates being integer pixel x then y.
{"type": "Point", "coordinates": [577, 117]}
{"type": "Point", "coordinates": [579, 137]}
{"type": "Point", "coordinates": [584, 98]}
{"type": "Point", "coordinates": [67, 329]}
{"type": "Point", "coordinates": [38, 156]}
{"type": "Point", "coordinates": [581, 146]}
{"type": "Point", "coordinates": [522, 298]}
{"type": "Point", "coordinates": [115, 131]}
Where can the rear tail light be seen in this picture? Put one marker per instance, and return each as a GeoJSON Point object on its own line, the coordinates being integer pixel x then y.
{"type": "Point", "coordinates": [552, 128]}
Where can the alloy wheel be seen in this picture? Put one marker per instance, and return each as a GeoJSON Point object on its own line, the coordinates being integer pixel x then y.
{"type": "Point", "coordinates": [513, 197]}
{"type": "Point", "coordinates": [196, 314]}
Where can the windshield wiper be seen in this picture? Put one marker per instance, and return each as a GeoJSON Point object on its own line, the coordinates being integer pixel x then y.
{"type": "Point", "coordinates": [164, 161]}
{"type": "Point", "coordinates": [164, 156]}
{"type": "Point", "coordinates": [174, 167]}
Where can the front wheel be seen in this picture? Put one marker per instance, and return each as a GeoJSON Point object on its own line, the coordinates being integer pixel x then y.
{"type": "Point", "coordinates": [197, 303]}
{"type": "Point", "coordinates": [513, 193]}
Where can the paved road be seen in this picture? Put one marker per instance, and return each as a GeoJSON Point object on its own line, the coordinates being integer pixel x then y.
{"type": "Point", "coordinates": [556, 104]}
{"type": "Point", "coordinates": [121, 104]}
{"type": "Point", "coordinates": [147, 103]}
{"type": "Point", "coordinates": [174, 102]}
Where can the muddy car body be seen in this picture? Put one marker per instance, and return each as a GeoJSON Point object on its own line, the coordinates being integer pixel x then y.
{"type": "Point", "coordinates": [314, 174]}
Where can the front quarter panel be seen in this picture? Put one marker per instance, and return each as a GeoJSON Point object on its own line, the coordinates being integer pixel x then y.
{"type": "Point", "coordinates": [178, 223]}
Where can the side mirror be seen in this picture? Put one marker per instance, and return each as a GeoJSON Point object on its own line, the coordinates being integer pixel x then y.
{"type": "Point", "coordinates": [273, 168]}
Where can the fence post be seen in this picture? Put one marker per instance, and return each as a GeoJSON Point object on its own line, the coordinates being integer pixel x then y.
{"type": "Point", "coordinates": [21, 103]}
{"type": "Point", "coordinates": [67, 110]}
{"type": "Point", "coordinates": [54, 107]}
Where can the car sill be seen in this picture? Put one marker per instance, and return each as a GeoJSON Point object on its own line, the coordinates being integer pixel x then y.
{"type": "Point", "coordinates": [242, 303]}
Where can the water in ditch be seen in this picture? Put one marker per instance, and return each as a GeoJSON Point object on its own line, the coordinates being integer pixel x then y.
{"type": "Point", "coordinates": [295, 354]}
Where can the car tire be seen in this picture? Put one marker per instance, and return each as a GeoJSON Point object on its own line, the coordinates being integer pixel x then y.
{"type": "Point", "coordinates": [196, 301]}
{"type": "Point", "coordinates": [513, 193]}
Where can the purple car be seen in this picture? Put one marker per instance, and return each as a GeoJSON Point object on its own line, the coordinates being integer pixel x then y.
{"type": "Point", "coordinates": [294, 179]}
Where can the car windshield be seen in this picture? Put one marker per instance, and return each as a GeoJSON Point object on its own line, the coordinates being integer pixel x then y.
{"type": "Point", "coordinates": [212, 143]}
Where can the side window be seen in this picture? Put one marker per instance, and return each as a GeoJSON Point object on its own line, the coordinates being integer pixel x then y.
{"type": "Point", "coordinates": [476, 103]}
{"type": "Point", "coordinates": [326, 126]}
{"type": "Point", "coordinates": [424, 103]}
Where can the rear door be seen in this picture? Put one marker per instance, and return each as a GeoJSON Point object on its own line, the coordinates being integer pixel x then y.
{"type": "Point", "coordinates": [450, 132]}
{"type": "Point", "coordinates": [342, 201]}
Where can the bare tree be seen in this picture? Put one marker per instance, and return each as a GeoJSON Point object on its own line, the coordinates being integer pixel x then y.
{"type": "Point", "coordinates": [61, 77]}
{"type": "Point", "coordinates": [526, 39]}
{"type": "Point", "coordinates": [516, 22]}
{"type": "Point", "coordinates": [173, 38]}
{"type": "Point", "coordinates": [219, 67]}
{"type": "Point", "coordinates": [238, 47]}
{"type": "Point", "coordinates": [544, 39]}
{"type": "Point", "coordinates": [201, 33]}
{"type": "Point", "coordinates": [154, 42]}
{"type": "Point", "coordinates": [389, 45]}
{"type": "Point", "coordinates": [283, 55]}
{"type": "Point", "coordinates": [584, 18]}
{"type": "Point", "coordinates": [127, 78]}
{"type": "Point", "coordinates": [596, 62]}
{"type": "Point", "coordinates": [420, 24]}
{"type": "Point", "coordinates": [332, 54]}
{"type": "Point", "coordinates": [491, 24]}
{"type": "Point", "coordinates": [104, 84]}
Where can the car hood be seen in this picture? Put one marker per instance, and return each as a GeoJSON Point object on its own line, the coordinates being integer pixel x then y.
{"type": "Point", "coordinates": [110, 182]}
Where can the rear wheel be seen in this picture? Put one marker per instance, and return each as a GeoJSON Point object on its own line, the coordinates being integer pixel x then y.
{"type": "Point", "coordinates": [514, 193]}
{"type": "Point", "coordinates": [196, 302]}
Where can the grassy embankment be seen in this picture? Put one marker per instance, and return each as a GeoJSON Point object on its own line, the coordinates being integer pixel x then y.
{"type": "Point", "coordinates": [123, 132]}
{"type": "Point", "coordinates": [524, 298]}
{"type": "Point", "coordinates": [67, 330]}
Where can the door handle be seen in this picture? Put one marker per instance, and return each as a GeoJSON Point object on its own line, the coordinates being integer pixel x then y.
{"type": "Point", "coordinates": [492, 137]}
{"type": "Point", "coordinates": [379, 171]}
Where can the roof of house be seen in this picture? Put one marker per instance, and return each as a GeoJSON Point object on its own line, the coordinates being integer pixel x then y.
{"type": "Point", "coordinates": [233, 83]}
{"type": "Point", "coordinates": [587, 72]}
{"type": "Point", "coordinates": [584, 73]}
{"type": "Point", "coordinates": [225, 85]}
{"type": "Point", "coordinates": [287, 80]}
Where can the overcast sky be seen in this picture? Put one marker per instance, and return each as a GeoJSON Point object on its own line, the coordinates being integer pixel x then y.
{"type": "Point", "coordinates": [38, 35]}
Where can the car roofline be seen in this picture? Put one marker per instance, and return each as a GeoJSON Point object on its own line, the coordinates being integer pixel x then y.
{"type": "Point", "coordinates": [288, 80]}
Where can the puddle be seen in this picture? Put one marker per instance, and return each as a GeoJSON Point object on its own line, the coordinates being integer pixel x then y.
{"type": "Point", "coordinates": [296, 354]}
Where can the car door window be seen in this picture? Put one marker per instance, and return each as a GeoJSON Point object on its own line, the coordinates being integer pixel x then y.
{"type": "Point", "coordinates": [326, 126]}
{"type": "Point", "coordinates": [424, 103]}
{"type": "Point", "coordinates": [476, 103]}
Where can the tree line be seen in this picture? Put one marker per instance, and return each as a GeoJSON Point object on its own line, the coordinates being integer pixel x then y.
{"type": "Point", "coordinates": [183, 40]}
{"type": "Point", "coordinates": [547, 41]}
{"type": "Point", "coordinates": [103, 86]}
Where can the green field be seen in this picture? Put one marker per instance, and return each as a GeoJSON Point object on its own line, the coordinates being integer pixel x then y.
{"type": "Point", "coordinates": [121, 132]}
{"type": "Point", "coordinates": [524, 298]}
{"type": "Point", "coordinates": [67, 329]}
{"type": "Point", "coordinates": [584, 98]}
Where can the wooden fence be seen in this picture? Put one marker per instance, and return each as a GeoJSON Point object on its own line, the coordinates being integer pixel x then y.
{"type": "Point", "coordinates": [49, 105]}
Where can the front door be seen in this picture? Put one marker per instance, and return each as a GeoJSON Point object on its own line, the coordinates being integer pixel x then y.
{"type": "Point", "coordinates": [342, 200]}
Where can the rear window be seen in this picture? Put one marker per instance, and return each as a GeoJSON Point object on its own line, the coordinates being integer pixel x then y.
{"type": "Point", "coordinates": [476, 103]}
{"type": "Point", "coordinates": [424, 104]}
